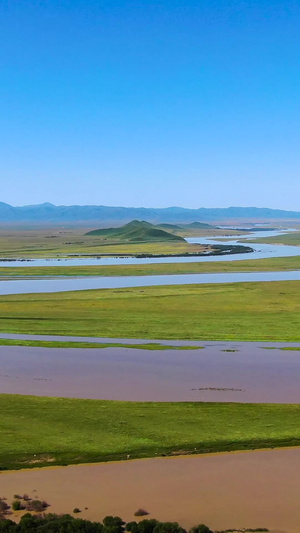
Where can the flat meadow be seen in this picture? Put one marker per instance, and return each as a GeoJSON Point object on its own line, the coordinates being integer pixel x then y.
{"type": "Point", "coordinates": [263, 311]}
{"type": "Point", "coordinates": [38, 431]}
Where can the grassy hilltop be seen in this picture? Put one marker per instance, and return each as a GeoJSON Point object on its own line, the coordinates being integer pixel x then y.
{"type": "Point", "coordinates": [135, 231]}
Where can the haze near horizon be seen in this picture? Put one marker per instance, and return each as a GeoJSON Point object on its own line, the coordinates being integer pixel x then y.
{"type": "Point", "coordinates": [150, 104]}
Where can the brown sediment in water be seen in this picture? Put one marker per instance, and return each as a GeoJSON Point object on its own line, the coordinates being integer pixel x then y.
{"type": "Point", "coordinates": [250, 373]}
{"type": "Point", "coordinates": [237, 490]}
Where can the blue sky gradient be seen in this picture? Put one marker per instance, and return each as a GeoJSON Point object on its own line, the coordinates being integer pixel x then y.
{"type": "Point", "coordinates": [141, 103]}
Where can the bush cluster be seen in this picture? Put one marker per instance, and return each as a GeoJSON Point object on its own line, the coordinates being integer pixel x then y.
{"type": "Point", "coordinates": [52, 523]}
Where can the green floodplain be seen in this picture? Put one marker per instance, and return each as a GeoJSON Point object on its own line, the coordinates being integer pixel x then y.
{"type": "Point", "coordinates": [98, 345]}
{"type": "Point", "coordinates": [291, 239]}
{"type": "Point", "coordinates": [245, 265]}
{"type": "Point", "coordinates": [256, 311]}
{"type": "Point", "coordinates": [59, 242]}
{"type": "Point", "coordinates": [166, 239]}
{"type": "Point", "coordinates": [40, 431]}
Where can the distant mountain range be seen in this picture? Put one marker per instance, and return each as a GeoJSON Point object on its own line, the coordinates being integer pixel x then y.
{"type": "Point", "coordinates": [87, 215]}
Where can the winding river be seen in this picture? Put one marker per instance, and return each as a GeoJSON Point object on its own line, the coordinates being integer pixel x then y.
{"type": "Point", "coordinates": [262, 251]}
{"type": "Point", "coordinates": [226, 490]}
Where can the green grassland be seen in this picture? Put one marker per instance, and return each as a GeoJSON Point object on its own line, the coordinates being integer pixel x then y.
{"type": "Point", "coordinates": [93, 345]}
{"type": "Point", "coordinates": [292, 239]}
{"type": "Point", "coordinates": [247, 265]}
{"type": "Point", "coordinates": [263, 311]}
{"type": "Point", "coordinates": [59, 242]}
{"type": "Point", "coordinates": [88, 246]}
{"type": "Point", "coordinates": [38, 431]}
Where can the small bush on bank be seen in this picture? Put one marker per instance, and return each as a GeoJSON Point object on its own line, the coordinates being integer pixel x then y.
{"type": "Point", "coordinates": [3, 506]}
{"type": "Point", "coordinates": [36, 506]}
{"type": "Point", "coordinates": [201, 528]}
{"type": "Point", "coordinates": [17, 505]}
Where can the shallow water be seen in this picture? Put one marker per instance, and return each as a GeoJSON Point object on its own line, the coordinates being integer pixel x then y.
{"type": "Point", "coordinates": [34, 286]}
{"type": "Point", "coordinates": [261, 251]}
{"type": "Point", "coordinates": [25, 286]}
{"type": "Point", "coordinates": [249, 489]}
{"type": "Point", "coordinates": [250, 373]}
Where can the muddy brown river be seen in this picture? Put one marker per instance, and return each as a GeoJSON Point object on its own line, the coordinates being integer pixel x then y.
{"type": "Point", "coordinates": [237, 490]}
{"type": "Point", "coordinates": [221, 371]}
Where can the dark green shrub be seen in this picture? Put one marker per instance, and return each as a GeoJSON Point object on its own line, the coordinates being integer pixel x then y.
{"type": "Point", "coordinates": [113, 524]}
{"type": "Point", "coordinates": [201, 528]}
{"type": "Point", "coordinates": [52, 523]}
{"type": "Point", "coordinates": [147, 525]}
{"type": "Point", "coordinates": [132, 527]}
{"type": "Point", "coordinates": [168, 527]}
{"type": "Point", "coordinates": [7, 526]}
{"type": "Point", "coordinates": [17, 505]}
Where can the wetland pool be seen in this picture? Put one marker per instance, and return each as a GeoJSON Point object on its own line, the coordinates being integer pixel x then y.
{"type": "Point", "coordinates": [220, 371]}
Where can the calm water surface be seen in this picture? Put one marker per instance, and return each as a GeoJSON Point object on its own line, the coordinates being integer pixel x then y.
{"type": "Point", "coordinates": [247, 373]}
{"type": "Point", "coordinates": [238, 490]}
{"type": "Point", "coordinates": [26, 286]}
{"type": "Point", "coordinates": [261, 251]}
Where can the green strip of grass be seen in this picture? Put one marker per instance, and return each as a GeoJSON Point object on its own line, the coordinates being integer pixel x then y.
{"type": "Point", "coordinates": [38, 431]}
{"type": "Point", "coordinates": [238, 311]}
{"type": "Point", "coordinates": [284, 349]}
{"type": "Point", "coordinates": [30, 248]}
{"type": "Point", "coordinates": [251, 265]}
{"type": "Point", "coordinates": [292, 239]}
{"type": "Point", "coordinates": [70, 344]}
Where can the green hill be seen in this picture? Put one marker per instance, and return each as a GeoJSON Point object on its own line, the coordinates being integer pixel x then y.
{"type": "Point", "coordinates": [135, 231]}
{"type": "Point", "coordinates": [198, 225]}
{"type": "Point", "coordinates": [168, 227]}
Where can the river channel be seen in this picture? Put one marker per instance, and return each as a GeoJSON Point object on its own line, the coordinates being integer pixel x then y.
{"type": "Point", "coordinates": [239, 490]}
{"type": "Point", "coordinates": [217, 371]}
{"type": "Point", "coordinates": [232, 490]}
{"type": "Point", "coordinates": [260, 251]}
{"type": "Point", "coordinates": [25, 286]}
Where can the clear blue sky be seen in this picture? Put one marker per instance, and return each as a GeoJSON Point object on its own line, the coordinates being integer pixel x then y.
{"type": "Point", "coordinates": [173, 102]}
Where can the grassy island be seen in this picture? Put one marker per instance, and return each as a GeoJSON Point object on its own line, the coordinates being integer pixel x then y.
{"type": "Point", "coordinates": [245, 265]}
{"type": "Point", "coordinates": [38, 431]}
{"type": "Point", "coordinates": [263, 311]}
